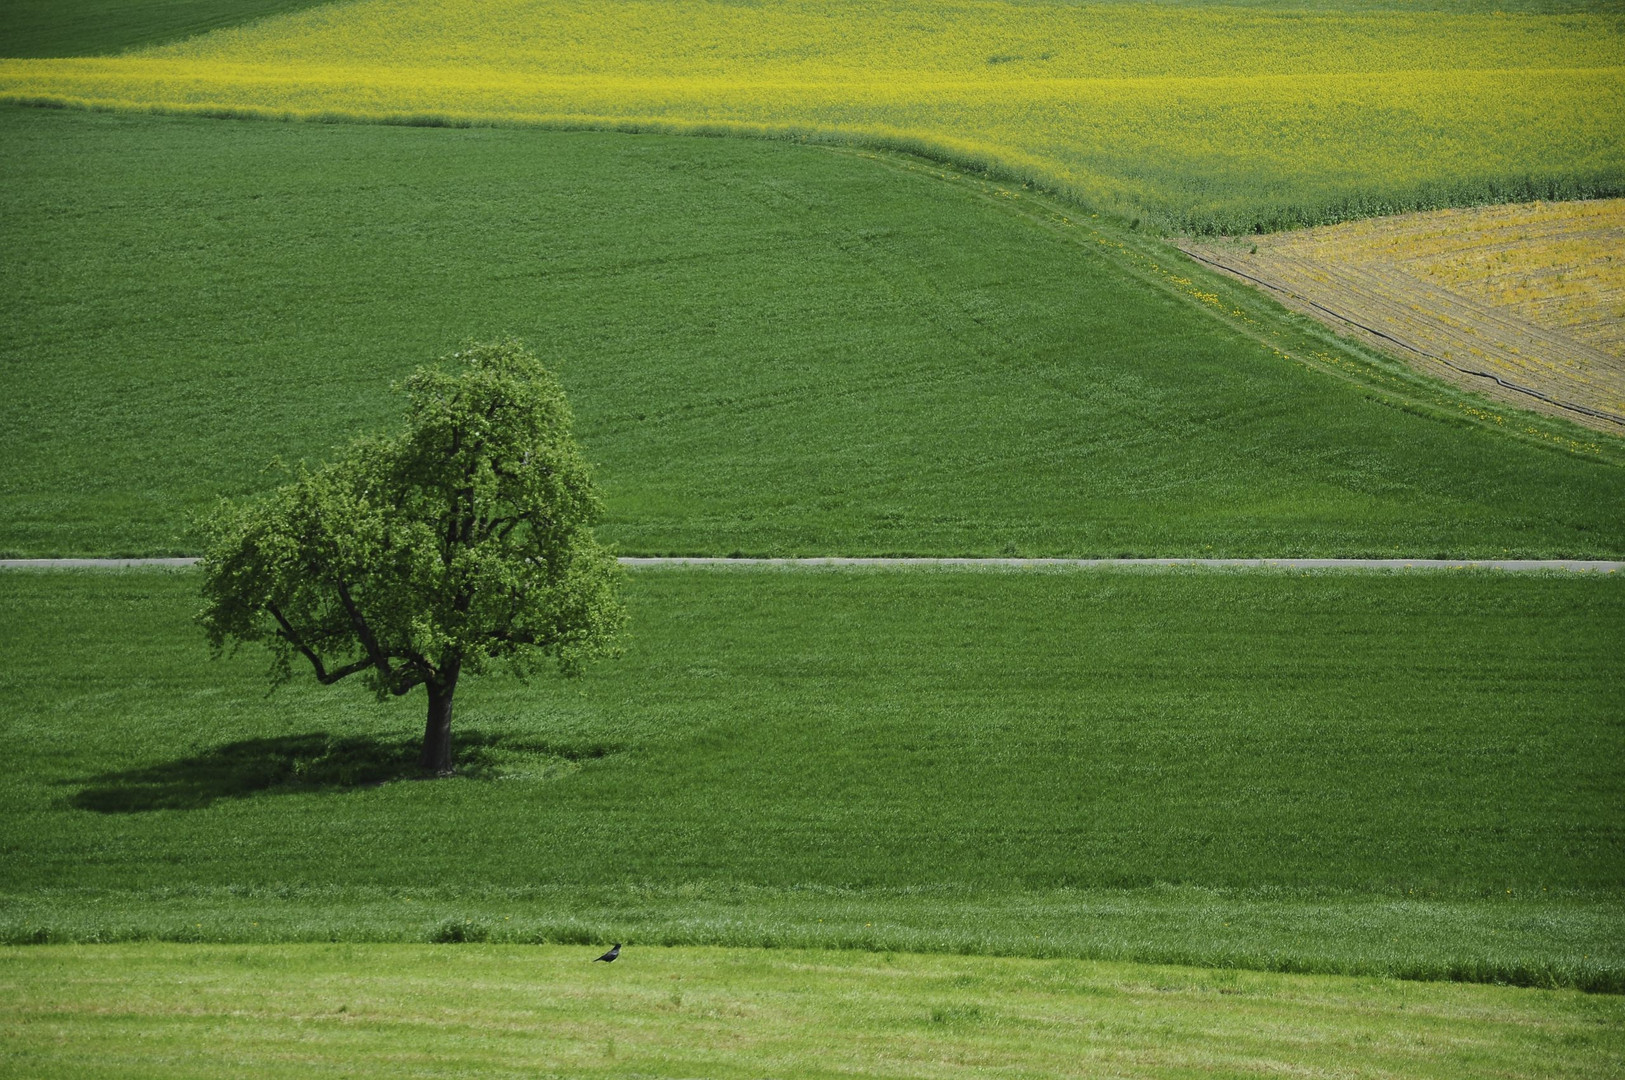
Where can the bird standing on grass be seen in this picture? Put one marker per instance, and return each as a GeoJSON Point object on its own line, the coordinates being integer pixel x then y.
{"type": "Point", "coordinates": [609, 957]}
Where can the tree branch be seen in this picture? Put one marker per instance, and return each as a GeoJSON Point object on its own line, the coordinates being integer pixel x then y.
{"type": "Point", "coordinates": [502, 526]}
{"type": "Point", "coordinates": [364, 634]}
{"type": "Point", "coordinates": [323, 676]}
{"type": "Point", "coordinates": [403, 684]}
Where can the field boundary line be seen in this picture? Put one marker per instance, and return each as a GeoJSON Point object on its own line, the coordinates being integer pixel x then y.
{"type": "Point", "coordinates": [1583, 410]}
{"type": "Point", "coordinates": [662, 562]}
{"type": "Point", "coordinates": [1054, 209]}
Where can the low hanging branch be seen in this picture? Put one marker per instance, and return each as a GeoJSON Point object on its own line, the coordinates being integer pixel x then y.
{"type": "Point", "coordinates": [323, 676]}
{"type": "Point", "coordinates": [463, 542]}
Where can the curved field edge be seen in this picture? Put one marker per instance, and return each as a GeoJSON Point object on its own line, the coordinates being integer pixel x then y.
{"type": "Point", "coordinates": [1291, 335]}
{"type": "Point", "coordinates": [1130, 356]}
{"type": "Point", "coordinates": [1055, 205]}
{"type": "Point", "coordinates": [38, 29]}
{"type": "Point", "coordinates": [1198, 119]}
{"type": "Point", "coordinates": [1517, 301]}
{"type": "Point", "coordinates": [1012, 166]}
{"type": "Point", "coordinates": [479, 1010]}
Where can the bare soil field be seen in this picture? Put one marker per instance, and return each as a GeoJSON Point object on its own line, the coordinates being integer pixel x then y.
{"type": "Point", "coordinates": [1524, 303]}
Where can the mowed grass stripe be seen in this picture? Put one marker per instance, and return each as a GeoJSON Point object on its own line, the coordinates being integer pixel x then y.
{"type": "Point", "coordinates": [772, 350]}
{"type": "Point", "coordinates": [386, 1011]}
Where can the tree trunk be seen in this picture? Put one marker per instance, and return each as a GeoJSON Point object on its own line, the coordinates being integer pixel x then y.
{"type": "Point", "coordinates": [436, 759]}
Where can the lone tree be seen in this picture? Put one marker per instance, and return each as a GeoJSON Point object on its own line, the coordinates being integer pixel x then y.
{"type": "Point", "coordinates": [463, 542]}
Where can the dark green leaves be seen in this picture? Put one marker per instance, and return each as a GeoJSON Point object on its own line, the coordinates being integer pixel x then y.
{"type": "Point", "coordinates": [464, 540]}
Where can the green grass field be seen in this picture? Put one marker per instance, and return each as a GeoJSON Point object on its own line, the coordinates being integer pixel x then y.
{"type": "Point", "coordinates": [800, 796]}
{"type": "Point", "coordinates": [94, 27]}
{"type": "Point", "coordinates": [1404, 774]}
{"type": "Point", "coordinates": [409, 1011]}
{"type": "Point", "coordinates": [995, 381]}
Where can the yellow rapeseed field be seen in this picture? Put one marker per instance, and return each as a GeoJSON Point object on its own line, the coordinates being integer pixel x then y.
{"type": "Point", "coordinates": [1196, 117]}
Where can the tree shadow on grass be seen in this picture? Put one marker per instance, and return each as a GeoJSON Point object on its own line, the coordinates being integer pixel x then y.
{"type": "Point", "coordinates": [315, 761]}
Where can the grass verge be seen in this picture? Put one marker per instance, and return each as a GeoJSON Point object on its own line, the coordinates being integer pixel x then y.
{"type": "Point", "coordinates": [1519, 940]}
{"type": "Point", "coordinates": [182, 1011]}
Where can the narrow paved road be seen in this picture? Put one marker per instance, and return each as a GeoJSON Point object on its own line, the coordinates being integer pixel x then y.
{"type": "Point", "coordinates": [641, 562]}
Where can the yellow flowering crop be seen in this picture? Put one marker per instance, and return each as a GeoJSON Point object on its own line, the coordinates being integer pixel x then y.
{"type": "Point", "coordinates": [1200, 117]}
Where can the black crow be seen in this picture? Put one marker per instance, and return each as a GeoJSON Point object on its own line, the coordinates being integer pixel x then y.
{"type": "Point", "coordinates": [609, 957]}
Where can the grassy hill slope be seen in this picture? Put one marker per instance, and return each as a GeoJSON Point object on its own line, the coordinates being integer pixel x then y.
{"type": "Point", "coordinates": [780, 349]}
{"type": "Point", "coordinates": [772, 349]}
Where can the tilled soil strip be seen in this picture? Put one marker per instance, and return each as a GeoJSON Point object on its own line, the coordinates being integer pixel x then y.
{"type": "Point", "coordinates": [638, 562]}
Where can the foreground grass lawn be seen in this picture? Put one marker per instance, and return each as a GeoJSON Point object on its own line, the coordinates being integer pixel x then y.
{"type": "Point", "coordinates": [772, 349]}
{"type": "Point", "coordinates": [1344, 772]}
{"type": "Point", "coordinates": [381, 1011]}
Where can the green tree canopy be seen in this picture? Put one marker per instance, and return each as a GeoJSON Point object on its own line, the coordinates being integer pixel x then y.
{"type": "Point", "coordinates": [415, 559]}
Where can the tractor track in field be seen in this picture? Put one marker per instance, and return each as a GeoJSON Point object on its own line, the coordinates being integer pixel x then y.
{"type": "Point", "coordinates": [1390, 315]}
{"type": "Point", "coordinates": [1599, 408]}
{"type": "Point", "coordinates": [664, 562]}
{"type": "Point", "coordinates": [1519, 301]}
{"type": "Point", "coordinates": [1148, 268]}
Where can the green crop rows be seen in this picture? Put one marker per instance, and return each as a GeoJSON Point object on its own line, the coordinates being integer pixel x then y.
{"type": "Point", "coordinates": [771, 349]}
{"type": "Point", "coordinates": [91, 27]}
{"type": "Point", "coordinates": [1339, 741]}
